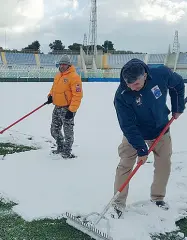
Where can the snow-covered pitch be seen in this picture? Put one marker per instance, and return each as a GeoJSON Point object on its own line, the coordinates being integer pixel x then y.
{"type": "Point", "coordinates": [47, 186]}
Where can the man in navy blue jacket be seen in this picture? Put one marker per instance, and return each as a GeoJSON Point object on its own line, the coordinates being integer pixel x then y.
{"type": "Point", "coordinates": [140, 103]}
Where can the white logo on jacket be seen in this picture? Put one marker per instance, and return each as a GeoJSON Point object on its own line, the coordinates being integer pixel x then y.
{"type": "Point", "coordinates": [156, 91]}
{"type": "Point", "coordinates": [139, 100]}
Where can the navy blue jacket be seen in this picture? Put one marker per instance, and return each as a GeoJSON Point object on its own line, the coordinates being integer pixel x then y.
{"type": "Point", "coordinates": [142, 115]}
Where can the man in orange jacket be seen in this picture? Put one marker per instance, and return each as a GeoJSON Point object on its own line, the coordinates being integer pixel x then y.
{"type": "Point", "coordinates": [66, 94]}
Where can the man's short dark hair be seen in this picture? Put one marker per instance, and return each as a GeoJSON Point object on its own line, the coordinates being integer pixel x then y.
{"type": "Point", "coordinates": [131, 73]}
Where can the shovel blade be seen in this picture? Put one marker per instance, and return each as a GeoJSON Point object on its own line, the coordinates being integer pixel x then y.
{"type": "Point", "coordinates": [86, 227]}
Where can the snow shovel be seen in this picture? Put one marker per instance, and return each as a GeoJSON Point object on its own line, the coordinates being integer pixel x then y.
{"type": "Point", "coordinates": [88, 227]}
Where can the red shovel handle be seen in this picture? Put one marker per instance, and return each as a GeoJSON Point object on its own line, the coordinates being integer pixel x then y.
{"type": "Point", "coordinates": [1, 132]}
{"type": "Point", "coordinates": [150, 149]}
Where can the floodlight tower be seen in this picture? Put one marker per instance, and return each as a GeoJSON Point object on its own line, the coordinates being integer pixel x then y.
{"type": "Point", "coordinates": [176, 45]}
{"type": "Point", "coordinates": [93, 28]}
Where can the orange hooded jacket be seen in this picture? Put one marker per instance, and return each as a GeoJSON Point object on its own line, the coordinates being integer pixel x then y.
{"type": "Point", "coordinates": [67, 89]}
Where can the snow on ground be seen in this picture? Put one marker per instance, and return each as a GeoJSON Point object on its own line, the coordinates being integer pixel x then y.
{"type": "Point", "coordinates": [46, 186]}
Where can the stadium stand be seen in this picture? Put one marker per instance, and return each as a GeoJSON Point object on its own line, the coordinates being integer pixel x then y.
{"type": "Point", "coordinates": [21, 72]}
{"type": "Point", "coordinates": [118, 60]}
{"type": "Point", "coordinates": [20, 58]}
{"type": "Point", "coordinates": [30, 59]}
{"type": "Point", "coordinates": [51, 59]}
{"type": "Point", "coordinates": [30, 65]}
{"type": "Point", "coordinates": [156, 58]}
{"type": "Point", "coordinates": [182, 72]}
{"type": "Point", "coordinates": [48, 59]}
{"type": "Point", "coordinates": [182, 58]}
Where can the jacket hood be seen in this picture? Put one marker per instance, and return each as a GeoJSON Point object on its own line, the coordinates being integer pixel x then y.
{"type": "Point", "coordinates": [127, 65]}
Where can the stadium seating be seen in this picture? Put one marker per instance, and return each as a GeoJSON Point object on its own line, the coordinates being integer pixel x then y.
{"type": "Point", "coordinates": [157, 58]}
{"type": "Point", "coordinates": [182, 58]}
{"type": "Point", "coordinates": [28, 73]}
{"type": "Point", "coordinates": [28, 65]}
{"type": "Point", "coordinates": [182, 72]}
{"type": "Point", "coordinates": [51, 59]}
{"type": "Point", "coordinates": [1, 62]}
{"type": "Point", "coordinates": [20, 58]}
{"type": "Point", "coordinates": [118, 60]}
{"type": "Point", "coordinates": [48, 59]}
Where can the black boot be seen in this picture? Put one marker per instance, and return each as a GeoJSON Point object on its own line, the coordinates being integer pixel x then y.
{"type": "Point", "coordinates": [68, 155]}
{"type": "Point", "coordinates": [58, 150]}
{"type": "Point", "coordinates": [161, 204]}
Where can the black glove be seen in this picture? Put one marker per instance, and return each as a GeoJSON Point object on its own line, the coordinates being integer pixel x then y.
{"type": "Point", "coordinates": [50, 99]}
{"type": "Point", "coordinates": [69, 115]}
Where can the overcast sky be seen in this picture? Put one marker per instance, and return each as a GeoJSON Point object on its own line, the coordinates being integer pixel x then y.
{"type": "Point", "coordinates": [137, 25]}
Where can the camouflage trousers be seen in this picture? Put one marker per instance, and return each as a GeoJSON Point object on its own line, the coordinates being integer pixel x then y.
{"type": "Point", "coordinates": [64, 141]}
